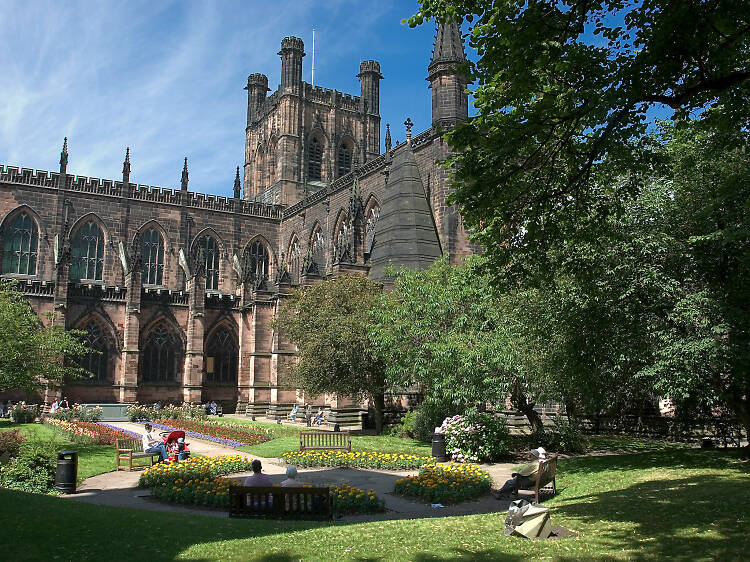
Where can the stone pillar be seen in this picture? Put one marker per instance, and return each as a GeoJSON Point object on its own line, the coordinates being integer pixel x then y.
{"type": "Point", "coordinates": [128, 376]}
{"type": "Point", "coordinates": [192, 381]}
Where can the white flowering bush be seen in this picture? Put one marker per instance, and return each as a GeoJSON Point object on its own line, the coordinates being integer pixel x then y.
{"type": "Point", "coordinates": [476, 438]}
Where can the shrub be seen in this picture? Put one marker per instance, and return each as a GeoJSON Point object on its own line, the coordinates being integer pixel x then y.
{"type": "Point", "coordinates": [360, 459]}
{"type": "Point", "coordinates": [33, 470]}
{"type": "Point", "coordinates": [139, 412]}
{"type": "Point", "coordinates": [10, 444]}
{"type": "Point", "coordinates": [405, 426]}
{"type": "Point", "coordinates": [450, 483]}
{"type": "Point", "coordinates": [564, 437]}
{"type": "Point", "coordinates": [429, 416]}
{"type": "Point", "coordinates": [476, 437]}
{"type": "Point", "coordinates": [77, 412]}
{"type": "Point", "coordinates": [22, 413]}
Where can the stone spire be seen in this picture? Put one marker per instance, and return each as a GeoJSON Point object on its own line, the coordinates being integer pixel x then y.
{"type": "Point", "coordinates": [64, 158]}
{"type": "Point", "coordinates": [405, 234]}
{"type": "Point", "coordinates": [237, 185]}
{"type": "Point", "coordinates": [126, 167]}
{"type": "Point", "coordinates": [184, 181]}
{"type": "Point", "coordinates": [388, 142]}
{"type": "Point", "coordinates": [449, 47]}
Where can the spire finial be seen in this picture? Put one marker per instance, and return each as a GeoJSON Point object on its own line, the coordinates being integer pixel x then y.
{"type": "Point", "coordinates": [409, 125]}
{"type": "Point", "coordinates": [126, 167]}
{"type": "Point", "coordinates": [64, 157]}
{"type": "Point", "coordinates": [388, 141]}
{"type": "Point", "coordinates": [184, 182]}
{"type": "Point", "coordinates": [237, 184]}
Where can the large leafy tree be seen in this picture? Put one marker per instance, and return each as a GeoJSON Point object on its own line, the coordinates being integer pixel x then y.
{"type": "Point", "coordinates": [33, 355]}
{"type": "Point", "coordinates": [563, 89]}
{"type": "Point", "coordinates": [329, 322]}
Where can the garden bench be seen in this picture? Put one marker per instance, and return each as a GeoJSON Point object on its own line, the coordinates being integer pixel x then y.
{"type": "Point", "coordinates": [129, 449]}
{"type": "Point", "coordinates": [281, 503]}
{"type": "Point", "coordinates": [546, 476]}
{"type": "Point", "coordinates": [310, 440]}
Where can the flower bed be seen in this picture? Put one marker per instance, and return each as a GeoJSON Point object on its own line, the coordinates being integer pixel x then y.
{"type": "Point", "coordinates": [347, 499]}
{"type": "Point", "coordinates": [212, 492]}
{"type": "Point", "coordinates": [232, 436]}
{"type": "Point", "coordinates": [193, 469]}
{"type": "Point", "coordinates": [361, 459]}
{"type": "Point", "coordinates": [88, 432]}
{"type": "Point", "coordinates": [450, 483]}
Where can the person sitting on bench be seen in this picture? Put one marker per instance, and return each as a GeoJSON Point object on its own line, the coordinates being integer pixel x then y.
{"type": "Point", "coordinates": [151, 445]}
{"type": "Point", "coordinates": [318, 418]}
{"type": "Point", "coordinates": [524, 479]}
{"type": "Point", "coordinates": [293, 413]}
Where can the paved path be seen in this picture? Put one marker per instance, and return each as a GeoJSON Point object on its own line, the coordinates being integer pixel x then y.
{"type": "Point", "coordinates": [120, 488]}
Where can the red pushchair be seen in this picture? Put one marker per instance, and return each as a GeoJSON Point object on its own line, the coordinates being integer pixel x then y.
{"type": "Point", "coordinates": [175, 444]}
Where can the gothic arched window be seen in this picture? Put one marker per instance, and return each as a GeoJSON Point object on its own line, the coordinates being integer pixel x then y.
{"type": "Point", "coordinates": [221, 357]}
{"type": "Point", "coordinates": [344, 158]}
{"type": "Point", "coordinates": [211, 260]}
{"type": "Point", "coordinates": [293, 261]}
{"type": "Point", "coordinates": [20, 246]}
{"type": "Point", "coordinates": [152, 251]}
{"type": "Point", "coordinates": [95, 363]}
{"type": "Point", "coordinates": [318, 249]}
{"type": "Point", "coordinates": [372, 218]}
{"type": "Point", "coordinates": [160, 358]}
{"type": "Point", "coordinates": [315, 160]}
{"type": "Point", "coordinates": [87, 253]}
{"type": "Point", "coordinates": [258, 260]}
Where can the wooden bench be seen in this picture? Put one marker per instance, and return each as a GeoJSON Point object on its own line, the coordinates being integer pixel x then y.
{"type": "Point", "coordinates": [311, 440]}
{"type": "Point", "coordinates": [281, 503]}
{"type": "Point", "coordinates": [546, 476]}
{"type": "Point", "coordinates": [129, 449]}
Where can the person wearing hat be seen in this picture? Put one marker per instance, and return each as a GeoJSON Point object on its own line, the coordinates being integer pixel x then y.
{"type": "Point", "coordinates": [524, 479]}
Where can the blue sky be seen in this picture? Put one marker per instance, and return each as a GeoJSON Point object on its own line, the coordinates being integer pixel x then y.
{"type": "Point", "coordinates": [166, 78]}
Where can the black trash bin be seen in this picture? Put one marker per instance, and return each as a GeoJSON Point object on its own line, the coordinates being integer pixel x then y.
{"type": "Point", "coordinates": [67, 472]}
{"type": "Point", "coordinates": [438, 447]}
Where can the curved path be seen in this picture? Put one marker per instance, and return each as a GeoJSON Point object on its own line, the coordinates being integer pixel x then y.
{"type": "Point", "coordinates": [120, 488]}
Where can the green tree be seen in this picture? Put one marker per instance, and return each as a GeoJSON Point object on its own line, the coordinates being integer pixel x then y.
{"type": "Point", "coordinates": [329, 322]}
{"type": "Point", "coordinates": [563, 89]}
{"type": "Point", "coordinates": [446, 329]}
{"type": "Point", "coordinates": [33, 355]}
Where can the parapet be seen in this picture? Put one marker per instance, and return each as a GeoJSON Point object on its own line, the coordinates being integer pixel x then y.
{"type": "Point", "coordinates": [292, 43]}
{"type": "Point", "coordinates": [369, 67]}
{"type": "Point", "coordinates": [258, 80]}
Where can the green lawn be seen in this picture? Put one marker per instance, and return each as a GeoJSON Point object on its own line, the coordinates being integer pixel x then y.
{"type": "Point", "coordinates": [287, 439]}
{"type": "Point", "coordinates": [644, 506]}
{"type": "Point", "coordinates": [92, 459]}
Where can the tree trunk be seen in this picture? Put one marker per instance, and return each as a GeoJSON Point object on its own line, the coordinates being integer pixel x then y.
{"type": "Point", "coordinates": [522, 404]}
{"type": "Point", "coordinates": [378, 402]}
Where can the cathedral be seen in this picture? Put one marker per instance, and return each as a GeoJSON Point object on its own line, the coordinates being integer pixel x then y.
{"type": "Point", "coordinates": [178, 289]}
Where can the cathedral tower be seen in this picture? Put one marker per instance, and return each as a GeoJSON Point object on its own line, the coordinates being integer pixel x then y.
{"type": "Point", "coordinates": [450, 103]}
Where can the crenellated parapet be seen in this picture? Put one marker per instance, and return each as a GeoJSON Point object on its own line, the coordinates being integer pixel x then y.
{"type": "Point", "coordinates": [109, 188]}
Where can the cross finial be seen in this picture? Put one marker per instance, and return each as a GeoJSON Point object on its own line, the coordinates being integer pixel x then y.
{"type": "Point", "coordinates": [126, 167]}
{"type": "Point", "coordinates": [237, 184]}
{"type": "Point", "coordinates": [409, 125]}
{"type": "Point", "coordinates": [184, 181]}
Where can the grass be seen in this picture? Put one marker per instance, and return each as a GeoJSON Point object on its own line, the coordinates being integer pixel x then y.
{"type": "Point", "coordinates": [287, 439]}
{"type": "Point", "coordinates": [683, 504]}
{"type": "Point", "coordinates": [92, 459]}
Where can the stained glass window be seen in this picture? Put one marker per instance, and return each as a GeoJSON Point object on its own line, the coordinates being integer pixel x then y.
{"type": "Point", "coordinates": [152, 251]}
{"type": "Point", "coordinates": [20, 245]}
{"type": "Point", "coordinates": [87, 253]}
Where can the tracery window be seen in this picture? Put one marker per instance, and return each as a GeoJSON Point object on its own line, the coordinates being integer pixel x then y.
{"type": "Point", "coordinates": [372, 217]}
{"type": "Point", "coordinates": [258, 260]}
{"type": "Point", "coordinates": [315, 160]}
{"type": "Point", "coordinates": [87, 253]}
{"type": "Point", "coordinates": [221, 357]}
{"type": "Point", "coordinates": [293, 262]}
{"type": "Point", "coordinates": [318, 249]}
{"type": "Point", "coordinates": [20, 246]}
{"type": "Point", "coordinates": [95, 363]}
{"type": "Point", "coordinates": [345, 159]}
{"type": "Point", "coordinates": [160, 359]}
{"type": "Point", "coordinates": [152, 251]}
{"type": "Point", "coordinates": [211, 260]}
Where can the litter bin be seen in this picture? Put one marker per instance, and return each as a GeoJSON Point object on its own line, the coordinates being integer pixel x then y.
{"type": "Point", "coordinates": [67, 471]}
{"type": "Point", "coordinates": [438, 447]}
